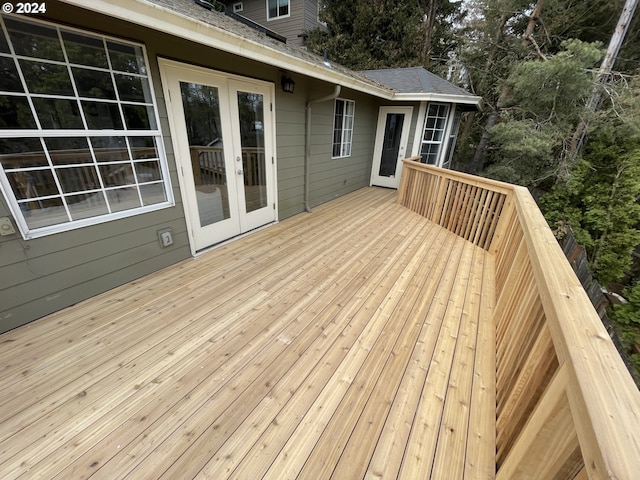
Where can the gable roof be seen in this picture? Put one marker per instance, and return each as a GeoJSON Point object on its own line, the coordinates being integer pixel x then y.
{"type": "Point", "coordinates": [186, 19]}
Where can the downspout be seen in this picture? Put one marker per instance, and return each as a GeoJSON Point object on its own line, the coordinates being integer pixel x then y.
{"type": "Point", "coordinates": [307, 142]}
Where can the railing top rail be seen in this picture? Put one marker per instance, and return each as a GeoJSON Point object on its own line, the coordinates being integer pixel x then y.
{"type": "Point", "coordinates": [604, 400]}
{"type": "Point", "coordinates": [487, 183]}
{"type": "Point", "coordinates": [602, 394]}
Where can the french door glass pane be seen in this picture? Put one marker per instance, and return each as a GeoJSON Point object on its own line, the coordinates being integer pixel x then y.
{"type": "Point", "coordinates": [201, 106]}
{"type": "Point", "coordinates": [251, 112]}
{"type": "Point", "coordinates": [391, 145]}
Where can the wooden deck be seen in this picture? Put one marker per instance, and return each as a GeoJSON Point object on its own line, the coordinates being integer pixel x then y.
{"type": "Point", "coordinates": [353, 342]}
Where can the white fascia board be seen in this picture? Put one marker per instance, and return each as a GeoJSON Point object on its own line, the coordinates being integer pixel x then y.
{"type": "Point", "coordinates": [161, 19]}
{"type": "Point", "coordinates": [438, 97]}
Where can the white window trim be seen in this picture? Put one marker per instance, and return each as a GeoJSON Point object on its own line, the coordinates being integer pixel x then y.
{"type": "Point", "coordinates": [7, 190]}
{"type": "Point", "coordinates": [343, 142]}
{"type": "Point", "coordinates": [445, 132]}
{"type": "Point", "coordinates": [278, 17]}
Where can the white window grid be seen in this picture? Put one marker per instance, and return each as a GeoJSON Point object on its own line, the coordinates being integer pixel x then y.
{"type": "Point", "coordinates": [278, 9]}
{"type": "Point", "coordinates": [344, 114]}
{"type": "Point", "coordinates": [128, 135]}
{"type": "Point", "coordinates": [435, 125]}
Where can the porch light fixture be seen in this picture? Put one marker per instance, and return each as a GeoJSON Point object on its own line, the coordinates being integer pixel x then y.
{"type": "Point", "coordinates": [287, 83]}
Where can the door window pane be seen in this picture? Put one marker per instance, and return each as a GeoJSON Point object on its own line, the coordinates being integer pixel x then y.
{"type": "Point", "coordinates": [391, 144]}
{"type": "Point", "coordinates": [201, 106]}
{"type": "Point", "coordinates": [251, 113]}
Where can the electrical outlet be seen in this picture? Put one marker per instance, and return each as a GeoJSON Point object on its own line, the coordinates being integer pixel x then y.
{"type": "Point", "coordinates": [165, 237]}
{"type": "Point", "coordinates": [6, 227]}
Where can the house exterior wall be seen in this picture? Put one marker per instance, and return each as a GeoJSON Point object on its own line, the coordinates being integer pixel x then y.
{"type": "Point", "coordinates": [303, 16]}
{"type": "Point", "coordinates": [46, 274]}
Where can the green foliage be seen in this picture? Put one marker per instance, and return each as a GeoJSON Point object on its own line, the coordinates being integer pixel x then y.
{"type": "Point", "coordinates": [365, 34]}
{"type": "Point", "coordinates": [627, 318]}
{"type": "Point", "coordinates": [599, 200]}
{"type": "Point", "coordinates": [546, 101]}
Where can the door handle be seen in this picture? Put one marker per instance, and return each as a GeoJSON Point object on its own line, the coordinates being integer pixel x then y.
{"type": "Point", "coordinates": [239, 171]}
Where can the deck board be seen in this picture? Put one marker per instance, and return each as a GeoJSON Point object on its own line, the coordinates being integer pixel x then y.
{"type": "Point", "coordinates": [322, 347]}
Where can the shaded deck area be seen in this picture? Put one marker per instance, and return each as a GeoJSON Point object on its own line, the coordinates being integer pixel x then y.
{"type": "Point", "coordinates": [353, 342]}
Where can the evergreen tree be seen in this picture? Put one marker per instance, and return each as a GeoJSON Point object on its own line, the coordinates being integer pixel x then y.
{"type": "Point", "coordinates": [546, 101]}
{"type": "Point", "coordinates": [599, 200]}
{"type": "Point", "coordinates": [366, 34]}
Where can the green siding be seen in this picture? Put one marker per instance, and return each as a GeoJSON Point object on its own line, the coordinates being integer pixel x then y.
{"type": "Point", "coordinates": [46, 274]}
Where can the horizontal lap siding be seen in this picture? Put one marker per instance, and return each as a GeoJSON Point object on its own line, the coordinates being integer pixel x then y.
{"type": "Point", "coordinates": [332, 177]}
{"type": "Point", "coordinates": [46, 274]}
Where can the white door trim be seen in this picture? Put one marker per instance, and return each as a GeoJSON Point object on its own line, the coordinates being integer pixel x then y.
{"type": "Point", "coordinates": [169, 69]}
{"type": "Point", "coordinates": [391, 182]}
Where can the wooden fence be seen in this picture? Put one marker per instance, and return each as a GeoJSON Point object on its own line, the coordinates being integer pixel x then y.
{"type": "Point", "coordinates": [566, 407]}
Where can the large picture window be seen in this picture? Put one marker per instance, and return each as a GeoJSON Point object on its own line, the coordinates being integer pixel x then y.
{"type": "Point", "coordinates": [277, 9]}
{"type": "Point", "coordinates": [79, 136]}
{"type": "Point", "coordinates": [343, 127]}
{"type": "Point", "coordinates": [434, 129]}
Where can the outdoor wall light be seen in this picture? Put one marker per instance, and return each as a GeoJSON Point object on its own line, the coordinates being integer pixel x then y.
{"type": "Point", "coordinates": [287, 84]}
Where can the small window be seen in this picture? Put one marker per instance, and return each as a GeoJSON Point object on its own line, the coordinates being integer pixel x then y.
{"type": "Point", "coordinates": [343, 127]}
{"type": "Point", "coordinates": [433, 135]}
{"type": "Point", "coordinates": [238, 7]}
{"type": "Point", "coordinates": [79, 136]}
{"type": "Point", "coordinates": [277, 9]}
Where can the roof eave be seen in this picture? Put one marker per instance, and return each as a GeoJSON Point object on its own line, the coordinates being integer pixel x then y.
{"type": "Point", "coordinates": [438, 97]}
{"type": "Point", "coordinates": [158, 18]}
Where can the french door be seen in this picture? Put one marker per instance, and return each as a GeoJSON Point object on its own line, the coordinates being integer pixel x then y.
{"type": "Point", "coordinates": [222, 129]}
{"type": "Point", "coordinates": [389, 148]}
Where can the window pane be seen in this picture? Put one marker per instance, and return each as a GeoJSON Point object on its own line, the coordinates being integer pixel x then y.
{"type": "Point", "coordinates": [148, 171]}
{"type": "Point", "coordinates": [46, 78]}
{"type": "Point", "coordinates": [58, 113]}
{"type": "Point", "coordinates": [4, 46]}
{"type": "Point", "coordinates": [15, 113]}
{"type": "Point", "coordinates": [68, 151]}
{"type": "Point", "coordinates": [123, 199]}
{"type": "Point", "coordinates": [102, 115]}
{"type": "Point", "coordinates": [110, 149]}
{"type": "Point", "coordinates": [37, 41]}
{"type": "Point", "coordinates": [143, 147]}
{"type": "Point", "coordinates": [9, 79]}
{"type": "Point", "coordinates": [62, 177]}
{"type": "Point", "coordinates": [126, 58]}
{"type": "Point", "coordinates": [85, 50]}
{"type": "Point", "coordinates": [139, 117]}
{"type": "Point", "coordinates": [133, 89]}
{"type": "Point", "coordinates": [153, 193]}
{"type": "Point", "coordinates": [32, 183]}
{"type": "Point", "coordinates": [87, 205]}
{"type": "Point", "coordinates": [93, 83]}
{"type": "Point", "coordinates": [22, 153]}
{"type": "Point", "coordinates": [117, 174]}
{"type": "Point", "coordinates": [78, 179]}
{"type": "Point", "coordinates": [44, 213]}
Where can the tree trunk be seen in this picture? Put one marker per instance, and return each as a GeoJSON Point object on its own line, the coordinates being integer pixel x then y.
{"type": "Point", "coordinates": [428, 24]}
{"type": "Point", "coordinates": [477, 163]}
{"type": "Point", "coordinates": [603, 75]}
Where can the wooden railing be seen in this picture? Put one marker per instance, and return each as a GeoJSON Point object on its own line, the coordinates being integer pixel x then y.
{"type": "Point", "coordinates": [208, 165]}
{"type": "Point", "coordinates": [566, 407]}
